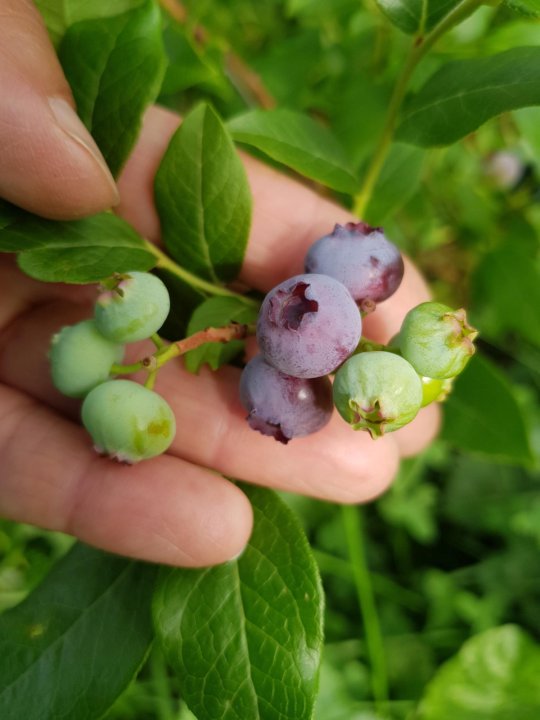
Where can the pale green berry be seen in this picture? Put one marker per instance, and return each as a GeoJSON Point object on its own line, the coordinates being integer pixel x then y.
{"type": "Point", "coordinates": [434, 390]}
{"type": "Point", "coordinates": [436, 340]}
{"type": "Point", "coordinates": [81, 358]}
{"type": "Point", "coordinates": [134, 309]}
{"type": "Point", "coordinates": [128, 421]}
{"type": "Point", "coordinates": [377, 391]}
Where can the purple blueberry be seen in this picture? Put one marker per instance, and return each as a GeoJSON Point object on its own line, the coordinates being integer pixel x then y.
{"type": "Point", "coordinates": [360, 257]}
{"type": "Point", "coordinates": [283, 406]}
{"type": "Point", "coordinates": [308, 325]}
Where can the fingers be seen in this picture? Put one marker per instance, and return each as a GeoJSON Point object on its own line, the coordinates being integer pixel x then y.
{"type": "Point", "coordinates": [165, 510]}
{"type": "Point", "coordinates": [50, 163]}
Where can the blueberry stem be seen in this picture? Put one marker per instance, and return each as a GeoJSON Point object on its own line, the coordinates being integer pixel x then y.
{"type": "Point", "coordinates": [166, 263]}
{"type": "Point", "coordinates": [164, 353]}
{"type": "Point", "coordinates": [420, 46]}
{"type": "Point", "coordinates": [354, 531]}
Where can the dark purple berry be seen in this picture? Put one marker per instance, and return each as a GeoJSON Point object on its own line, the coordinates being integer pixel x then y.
{"type": "Point", "coordinates": [360, 257]}
{"type": "Point", "coordinates": [283, 406]}
{"type": "Point", "coordinates": [308, 325]}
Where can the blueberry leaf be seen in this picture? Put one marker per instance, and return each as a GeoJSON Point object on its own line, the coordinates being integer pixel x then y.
{"type": "Point", "coordinates": [250, 629]}
{"type": "Point", "coordinates": [483, 416]}
{"type": "Point", "coordinates": [61, 14]}
{"type": "Point", "coordinates": [217, 312]}
{"type": "Point", "coordinates": [115, 66]}
{"type": "Point", "coordinates": [91, 612]}
{"type": "Point", "coordinates": [494, 676]}
{"type": "Point", "coordinates": [203, 198]}
{"type": "Point", "coordinates": [526, 7]}
{"type": "Point", "coordinates": [300, 143]}
{"type": "Point", "coordinates": [77, 251]}
{"type": "Point", "coordinates": [408, 15]}
{"type": "Point", "coordinates": [398, 181]}
{"type": "Point", "coordinates": [463, 94]}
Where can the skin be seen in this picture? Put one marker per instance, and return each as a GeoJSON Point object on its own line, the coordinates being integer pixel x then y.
{"type": "Point", "coordinates": [177, 508]}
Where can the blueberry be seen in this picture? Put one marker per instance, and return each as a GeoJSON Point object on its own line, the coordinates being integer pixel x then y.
{"type": "Point", "coordinates": [128, 421]}
{"type": "Point", "coordinates": [434, 390]}
{"type": "Point", "coordinates": [283, 406]}
{"type": "Point", "coordinates": [81, 358]}
{"type": "Point", "coordinates": [436, 340]}
{"type": "Point", "coordinates": [360, 257]}
{"type": "Point", "coordinates": [134, 310]}
{"type": "Point", "coordinates": [308, 325]}
{"type": "Point", "coordinates": [377, 391]}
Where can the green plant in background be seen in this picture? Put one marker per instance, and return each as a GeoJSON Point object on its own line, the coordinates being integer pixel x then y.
{"type": "Point", "coordinates": [432, 593]}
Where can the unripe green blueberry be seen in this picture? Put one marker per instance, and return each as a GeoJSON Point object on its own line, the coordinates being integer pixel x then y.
{"type": "Point", "coordinates": [434, 390]}
{"type": "Point", "coordinates": [436, 340]}
{"type": "Point", "coordinates": [81, 358]}
{"type": "Point", "coordinates": [134, 309]}
{"type": "Point", "coordinates": [377, 391]}
{"type": "Point", "coordinates": [128, 421]}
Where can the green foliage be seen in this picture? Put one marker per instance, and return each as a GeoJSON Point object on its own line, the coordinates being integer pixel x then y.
{"type": "Point", "coordinates": [469, 687]}
{"type": "Point", "coordinates": [260, 614]}
{"type": "Point", "coordinates": [203, 198]}
{"type": "Point", "coordinates": [484, 416]}
{"type": "Point", "coordinates": [413, 16]}
{"type": "Point", "coordinates": [43, 673]}
{"type": "Point", "coordinates": [299, 143]}
{"type": "Point", "coordinates": [115, 67]}
{"type": "Point", "coordinates": [463, 94]}
{"type": "Point", "coordinates": [78, 251]}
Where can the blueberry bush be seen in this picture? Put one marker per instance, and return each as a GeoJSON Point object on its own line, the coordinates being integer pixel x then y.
{"type": "Point", "coordinates": [421, 117]}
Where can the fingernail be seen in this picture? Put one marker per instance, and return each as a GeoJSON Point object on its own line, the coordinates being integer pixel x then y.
{"type": "Point", "coordinates": [73, 126]}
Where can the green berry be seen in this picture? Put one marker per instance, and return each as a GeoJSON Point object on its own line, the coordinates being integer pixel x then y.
{"type": "Point", "coordinates": [434, 390]}
{"type": "Point", "coordinates": [81, 358]}
{"type": "Point", "coordinates": [128, 421]}
{"type": "Point", "coordinates": [377, 391]}
{"type": "Point", "coordinates": [134, 309]}
{"type": "Point", "coordinates": [436, 340]}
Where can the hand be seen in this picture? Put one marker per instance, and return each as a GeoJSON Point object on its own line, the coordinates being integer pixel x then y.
{"type": "Point", "coordinates": [172, 509]}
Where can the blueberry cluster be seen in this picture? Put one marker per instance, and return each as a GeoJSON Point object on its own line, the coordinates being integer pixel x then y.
{"type": "Point", "coordinates": [311, 325]}
{"type": "Point", "coordinates": [126, 420]}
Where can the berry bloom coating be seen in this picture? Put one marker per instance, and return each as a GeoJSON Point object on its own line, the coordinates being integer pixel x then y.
{"type": "Point", "coordinates": [81, 358]}
{"type": "Point", "coordinates": [308, 325]}
{"type": "Point", "coordinates": [434, 390]}
{"type": "Point", "coordinates": [283, 406]}
{"type": "Point", "coordinates": [134, 310]}
{"type": "Point", "coordinates": [360, 257]}
{"type": "Point", "coordinates": [128, 421]}
{"type": "Point", "coordinates": [436, 340]}
{"type": "Point", "coordinates": [377, 391]}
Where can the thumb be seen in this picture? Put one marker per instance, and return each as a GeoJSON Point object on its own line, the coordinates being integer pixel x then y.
{"type": "Point", "coordinates": [50, 164]}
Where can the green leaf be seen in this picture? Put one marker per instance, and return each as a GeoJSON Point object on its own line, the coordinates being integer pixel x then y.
{"type": "Point", "coordinates": [398, 181]}
{"type": "Point", "coordinates": [483, 416]}
{"type": "Point", "coordinates": [506, 287]}
{"type": "Point", "coordinates": [297, 141]}
{"type": "Point", "coordinates": [493, 677]}
{"type": "Point", "coordinates": [249, 630]}
{"type": "Point", "coordinates": [78, 251]}
{"type": "Point", "coordinates": [60, 14]}
{"type": "Point", "coordinates": [217, 312]}
{"type": "Point", "coordinates": [115, 66]}
{"type": "Point", "coordinates": [527, 7]}
{"type": "Point", "coordinates": [203, 198]}
{"type": "Point", "coordinates": [408, 15]}
{"type": "Point", "coordinates": [187, 64]}
{"type": "Point", "coordinates": [77, 641]}
{"type": "Point", "coordinates": [463, 94]}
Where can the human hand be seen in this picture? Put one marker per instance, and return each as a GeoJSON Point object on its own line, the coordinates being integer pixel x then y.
{"type": "Point", "coordinates": [172, 509]}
